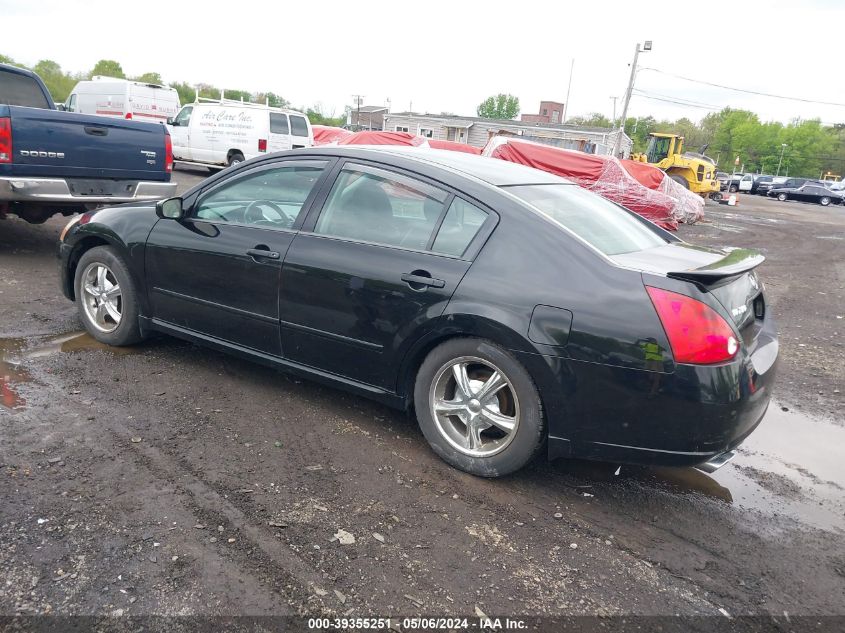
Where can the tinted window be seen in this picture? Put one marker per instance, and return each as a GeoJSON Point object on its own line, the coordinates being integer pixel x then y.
{"type": "Point", "coordinates": [20, 90]}
{"type": "Point", "coordinates": [279, 124]}
{"type": "Point", "coordinates": [598, 222]}
{"type": "Point", "coordinates": [184, 116]}
{"type": "Point", "coordinates": [298, 126]}
{"type": "Point", "coordinates": [374, 205]}
{"type": "Point", "coordinates": [272, 197]}
{"type": "Point", "coordinates": [462, 222]}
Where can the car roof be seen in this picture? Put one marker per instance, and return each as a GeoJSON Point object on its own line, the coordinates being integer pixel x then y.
{"type": "Point", "coordinates": [490, 170]}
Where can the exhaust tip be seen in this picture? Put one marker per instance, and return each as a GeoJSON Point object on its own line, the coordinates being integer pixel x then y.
{"type": "Point", "coordinates": [716, 462]}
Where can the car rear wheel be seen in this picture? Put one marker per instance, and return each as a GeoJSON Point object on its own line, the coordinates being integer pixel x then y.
{"type": "Point", "coordinates": [782, 197]}
{"type": "Point", "coordinates": [824, 201]}
{"type": "Point", "coordinates": [478, 407]}
{"type": "Point", "coordinates": [235, 158]}
{"type": "Point", "coordinates": [106, 297]}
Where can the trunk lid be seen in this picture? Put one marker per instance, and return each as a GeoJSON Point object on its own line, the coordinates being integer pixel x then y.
{"type": "Point", "coordinates": [52, 143]}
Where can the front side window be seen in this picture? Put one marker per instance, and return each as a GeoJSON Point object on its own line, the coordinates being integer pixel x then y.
{"type": "Point", "coordinates": [184, 117]}
{"type": "Point", "coordinates": [279, 124]}
{"type": "Point", "coordinates": [71, 103]}
{"type": "Point", "coordinates": [595, 220]}
{"type": "Point", "coordinates": [461, 224]}
{"type": "Point", "coordinates": [375, 205]}
{"type": "Point", "coordinates": [298, 126]}
{"type": "Point", "coordinates": [271, 198]}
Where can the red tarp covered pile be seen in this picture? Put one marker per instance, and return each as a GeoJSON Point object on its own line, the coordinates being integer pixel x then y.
{"type": "Point", "coordinates": [689, 207]}
{"type": "Point", "coordinates": [601, 174]}
{"type": "Point", "coordinates": [454, 146]}
{"type": "Point", "coordinates": [383, 138]}
{"type": "Point", "coordinates": [325, 134]}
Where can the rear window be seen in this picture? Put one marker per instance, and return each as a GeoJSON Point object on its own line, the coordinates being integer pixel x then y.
{"type": "Point", "coordinates": [279, 124]}
{"type": "Point", "coordinates": [598, 222]}
{"type": "Point", "coordinates": [298, 126]}
{"type": "Point", "coordinates": [20, 90]}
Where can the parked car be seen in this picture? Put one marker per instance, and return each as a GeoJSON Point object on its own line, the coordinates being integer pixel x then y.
{"type": "Point", "coordinates": [123, 99]}
{"type": "Point", "coordinates": [228, 132]}
{"type": "Point", "coordinates": [431, 281]}
{"type": "Point", "coordinates": [762, 184]}
{"type": "Point", "coordinates": [723, 178]}
{"type": "Point", "coordinates": [747, 183]}
{"type": "Point", "coordinates": [809, 192]}
{"type": "Point", "coordinates": [66, 162]}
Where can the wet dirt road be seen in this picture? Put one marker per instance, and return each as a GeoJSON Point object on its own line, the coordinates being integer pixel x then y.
{"type": "Point", "coordinates": [169, 479]}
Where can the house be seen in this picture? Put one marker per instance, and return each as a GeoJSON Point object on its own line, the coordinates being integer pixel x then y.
{"type": "Point", "coordinates": [367, 117]}
{"type": "Point", "coordinates": [550, 112]}
{"type": "Point", "coordinates": [476, 131]}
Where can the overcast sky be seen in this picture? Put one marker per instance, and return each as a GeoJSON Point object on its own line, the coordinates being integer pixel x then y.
{"type": "Point", "coordinates": [450, 55]}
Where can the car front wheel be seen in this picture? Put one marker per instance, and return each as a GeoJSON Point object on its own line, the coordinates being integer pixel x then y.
{"type": "Point", "coordinates": [824, 201]}
{"type": "Point", "coordinates": [479, 408]}
{"type": "Point", "coordinates": [106, 297]}
{"type": "Point", "coordinates": [782, 197]}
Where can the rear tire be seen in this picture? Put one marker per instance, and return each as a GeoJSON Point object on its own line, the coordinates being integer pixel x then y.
{"type": "Point", "coordinates": [782, 197]}
{"type": "Point", "coordinates": [485, 433]}
{"type": "Point", "coordinates": [824, 201]}
{"type": "Point", "coordinates": [235, 158]}
{"type": "Point", "coordinates": [681, 181]}
{"type": "Point", "coordinates": [106, 297]}
{"type": "Point", "coordinates": [732, 189]}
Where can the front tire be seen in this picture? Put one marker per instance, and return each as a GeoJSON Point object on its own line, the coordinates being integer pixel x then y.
{"type": "Point", "coordinates": [106, 297]}
{"type": "Point", "coordinates": [732, 189]}
{"type": "Point", "coordinates": [479, 408]}
{"type": "Point", "coordinates": [782, 197]}
{"type": "Point", "coordinates": [824, 201]}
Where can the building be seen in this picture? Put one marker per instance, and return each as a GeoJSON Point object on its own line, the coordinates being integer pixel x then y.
{"type": "Point", "coordinates": [367, 117]}
{"type": "Point", "coordinates": [477, 131]}
{"type": "Point", "coordinates": [550, 112]}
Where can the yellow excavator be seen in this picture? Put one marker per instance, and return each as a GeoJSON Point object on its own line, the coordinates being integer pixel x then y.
{"type": "Point", "coordinates": [693, 171]}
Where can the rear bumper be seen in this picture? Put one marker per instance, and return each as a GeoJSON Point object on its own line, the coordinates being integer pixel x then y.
{"type": "Point", "coordinates": [57, 191]}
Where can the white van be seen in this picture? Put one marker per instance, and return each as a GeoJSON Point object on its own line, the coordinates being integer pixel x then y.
{"type": "Point", "coordinates": [123, 99]}
{"type": "Point", "coordinates": [228, 132]}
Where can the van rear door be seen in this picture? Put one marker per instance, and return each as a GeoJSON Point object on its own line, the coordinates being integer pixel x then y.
{"type": "Point", "coordinates": [279, 132]}
{"type": "Point", "coordinates": [300, 131]}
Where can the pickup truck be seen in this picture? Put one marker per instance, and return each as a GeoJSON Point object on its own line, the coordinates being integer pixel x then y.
{"type": "Point", "coordinates": [64, 162]}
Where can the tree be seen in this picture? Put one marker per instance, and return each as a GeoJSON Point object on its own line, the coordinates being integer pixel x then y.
{"type": "Point", "coordinates": [596, 119]}
{"type": "Point", "coordinates": [6, 60]}
{"type": "Point", "coordinates": [107, 68]}
{"type": "Point", "coordinates": [149, 78]}
{"type": "Point", "coordinates": [318, 117]}
{"type": "Point", "coordinates": [500, 106]}
{"type": "Point", "coordinates": [57, 81]}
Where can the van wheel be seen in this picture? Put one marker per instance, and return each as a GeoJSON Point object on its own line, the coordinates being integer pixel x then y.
{"type": "Point", "coordinates": [235, 158]}
{"type": "Point", "coordinates": [479, 408]}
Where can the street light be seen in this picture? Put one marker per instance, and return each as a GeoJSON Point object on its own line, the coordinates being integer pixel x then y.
{"type": "Point", "coordinates": [646, 47]}
{"type": "Point", "coordinates": [783, 146]}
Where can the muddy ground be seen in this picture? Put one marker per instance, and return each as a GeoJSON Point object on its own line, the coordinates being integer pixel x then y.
{"type": "Point", "coordinates": [170, 479]}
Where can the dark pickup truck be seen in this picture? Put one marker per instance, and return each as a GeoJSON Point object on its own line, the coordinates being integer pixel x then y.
{"type": "Point", "coordinates": [63, 162]}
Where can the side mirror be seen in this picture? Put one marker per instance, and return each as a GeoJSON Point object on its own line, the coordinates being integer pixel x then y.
{"type": "Point", "coordinates": [170, 121]}
{"type": "Point", "coordinates": [170, 209]}
{"type": "Point", "coordinates": [61, 107]}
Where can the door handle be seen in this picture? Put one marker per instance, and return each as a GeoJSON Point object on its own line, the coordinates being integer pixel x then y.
{"type": "Point", "coordinates": [419, 280]}
{"type": "Point", "coordinates": [263, 252]}
{"type": "Point", "coordinates": [96, 131]}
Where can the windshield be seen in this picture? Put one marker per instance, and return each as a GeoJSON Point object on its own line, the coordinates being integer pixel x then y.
{"type": "Point", "coordinates": [598, 222]}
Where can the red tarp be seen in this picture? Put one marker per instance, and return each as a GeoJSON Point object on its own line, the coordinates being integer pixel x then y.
{"type": "Point", "coordinates": [647, 175]}
{"type": "Point", "coordinates": [383, 138]}
{"type": "Point", "coordinates": [325, 134]}
{"type": "Point", "coordinates": [689, 207]}
{"type": "Point", "coordinates": [602, 174]}
{"type": "Point", "coordinates": [454, 146]}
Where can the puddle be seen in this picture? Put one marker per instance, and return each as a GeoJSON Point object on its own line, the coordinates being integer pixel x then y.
{"type": "Point", "coordinates": [14, 352]}
{"type": "Point", "coordinates": [829, 237]}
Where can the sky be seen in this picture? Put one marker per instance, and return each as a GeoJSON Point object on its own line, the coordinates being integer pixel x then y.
{"type": "Point", "coordinates": [448, 56]}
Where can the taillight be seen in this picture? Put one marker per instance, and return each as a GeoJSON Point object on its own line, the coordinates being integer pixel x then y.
{"type": "Point", "coordinates": [128, 115]}
{"type": "Point", "coordinates": [697, 334]}
{"type": "Point", "coordinates": [262, 145]}
{"type": "Point", "coordinates": [168, 153]}
{"type": "Point", "coordinates": [5, 140]}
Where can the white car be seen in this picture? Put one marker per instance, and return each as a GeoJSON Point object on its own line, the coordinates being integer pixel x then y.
{"type": "Point", "coordinates": [225, 132]}
{"type": "Point", "coordinates": [123, 99]}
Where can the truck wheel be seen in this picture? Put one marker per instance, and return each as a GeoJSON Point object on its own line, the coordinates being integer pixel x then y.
{"type": "Point", "coordinates": [681, 181]}
{"type": "Point", "coordinates": [235, 158]}
{"type": "Point", "coordinates": [478, 407]}
{"type": "Point", "coordinates": [106, 297]}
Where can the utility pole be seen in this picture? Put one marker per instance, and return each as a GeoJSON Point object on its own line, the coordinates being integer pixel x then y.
{"type": "Point", "coordinates": [358, 99]}
{"type": "Point", "coordinates": [568, 89]}
{"type": "Point", "coordinates": [627, 100]}
{"type": "Point", "coordinates": [780, 160]}
{"type": "Point", "coordinates": [614, 109]}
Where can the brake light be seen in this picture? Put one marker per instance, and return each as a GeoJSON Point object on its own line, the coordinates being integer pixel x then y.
{"type": "Point", "coordinates": [129, 115]}
{"type": "Point", "coordinates": [5, 140]}
{"type": "Point", "coordinates": [168, 153]}
{"type": "Point", "coordinates": [697, 334]}
{"type": "Point", "coordinates": [262, 145]}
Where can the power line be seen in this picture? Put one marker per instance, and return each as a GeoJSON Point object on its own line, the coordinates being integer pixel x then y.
{"type": "Point", "coordinates": [752, 92]}
{"type": "Point", "coordinates": [691, 104]}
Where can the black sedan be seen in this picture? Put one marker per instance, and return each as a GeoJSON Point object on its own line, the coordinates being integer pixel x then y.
{"type": "Point", "coordinates": [513, 311]}
{"type": "Point", "coordinates": [809, 192]}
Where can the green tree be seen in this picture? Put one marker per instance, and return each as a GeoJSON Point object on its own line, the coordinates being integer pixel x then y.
{"type": "Point", "coordinates": [107, 68]}
{"type": "Point", "coordinates": [596, 119]}
{"type": "Point", "coordinates": [57, 81]}
{"type": "Point", "coordinates": [318, 117]}
{"type": "Point", "coordinates": [149, 78]}
{"type": "Point", "coordinates": [500, 106]}
{"type": "Point", "coordinates": [4, 59]}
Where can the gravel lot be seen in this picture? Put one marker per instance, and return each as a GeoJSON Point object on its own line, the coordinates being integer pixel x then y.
{"type": "Point", "coordinates": [169, 479]}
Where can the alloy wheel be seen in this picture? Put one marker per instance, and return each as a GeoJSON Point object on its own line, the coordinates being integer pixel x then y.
{"type": "Point", "coordinates": [474, 406]}
{"type": "Point", "coordinates": [101, 297]}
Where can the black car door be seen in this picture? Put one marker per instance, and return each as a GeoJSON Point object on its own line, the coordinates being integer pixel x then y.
{"type": "Point", "coordinates": [216, 272]}
{"type": "Point", "coordinates": [372, 270]}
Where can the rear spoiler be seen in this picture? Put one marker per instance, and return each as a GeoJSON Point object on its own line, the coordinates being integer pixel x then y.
{"type": "Point", "coordinates": [737, 261]}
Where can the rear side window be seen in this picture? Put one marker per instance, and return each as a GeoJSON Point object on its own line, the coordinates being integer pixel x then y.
{"type": "Point", "coordinates": [298, 126]}
{"type": "Point", "coordinates": [461, 224]}
{"type": "Point", "coordinates": [597, 221]}
{"type": "Point", "coordinates": [20, 90]}
{"type": "Point", "coordinates": [279, 124]}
